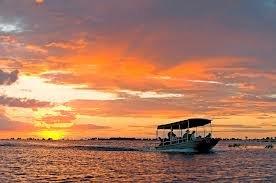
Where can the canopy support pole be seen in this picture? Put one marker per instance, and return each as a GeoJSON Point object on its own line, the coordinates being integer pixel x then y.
{"type": "Point", "coordinates": [180, 133]}
{"type": "Point", "coordinates": [188, 130]}
{"type": "Point", "coordinates": [163, 142]}
{"type": "Point", "coordinates": [211, 130]}
{"type": "Point", "coordinates": [171, 135]}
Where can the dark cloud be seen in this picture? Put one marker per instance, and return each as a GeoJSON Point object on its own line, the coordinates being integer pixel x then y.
{"type": "Point", "coordinates": [8, 78]}
{"type": "Point", "coordinates": [159, 30]}
{"type": "Point", "coordinates": [22, 102]}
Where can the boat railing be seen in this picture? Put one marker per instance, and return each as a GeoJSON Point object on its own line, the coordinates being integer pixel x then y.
{"type": "Point", "coordinates": [173, 141]}
{"type": "Point", "coordinates": [180, 140]}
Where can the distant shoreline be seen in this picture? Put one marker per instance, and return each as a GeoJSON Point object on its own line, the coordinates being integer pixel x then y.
{"type": "Point", "coordinates": [267, 139]}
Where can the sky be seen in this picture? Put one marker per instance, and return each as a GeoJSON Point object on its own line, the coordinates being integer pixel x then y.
{"type": "Point", "coordinates": [93, 68]}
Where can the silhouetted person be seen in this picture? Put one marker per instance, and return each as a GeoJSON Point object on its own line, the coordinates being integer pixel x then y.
{"type": "Point", "coordinates": [192, 136]}
{"type": "Point", "coordinates": [171, 135]}
{"type": "Point", "coordinates": [208, 136]}
{"type": "Point", "coordinates": [186, 135]}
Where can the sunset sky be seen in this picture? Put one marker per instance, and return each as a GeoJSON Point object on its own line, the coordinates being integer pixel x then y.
{"type": "Point", "coordinates": [94, 68]}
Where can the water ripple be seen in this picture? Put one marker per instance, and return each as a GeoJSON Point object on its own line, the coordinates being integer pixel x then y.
{"type": "Point", "coordinates": [86, 161]}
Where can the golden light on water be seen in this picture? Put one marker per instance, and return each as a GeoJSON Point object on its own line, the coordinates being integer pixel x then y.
{"type": "Point", "coordinates": [53, 134]}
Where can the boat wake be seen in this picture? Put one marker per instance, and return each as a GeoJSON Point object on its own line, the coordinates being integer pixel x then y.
{"type": "Point", "coordinates": [92, 147]}
{"type": "Point", "coordinates": [105, 148]}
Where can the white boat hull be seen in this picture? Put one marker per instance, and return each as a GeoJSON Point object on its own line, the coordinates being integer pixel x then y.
{"type": "Point", "coordinates": [202, 145]}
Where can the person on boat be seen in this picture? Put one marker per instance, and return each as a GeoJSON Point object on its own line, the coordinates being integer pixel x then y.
{"type": "Point", "coordinates": [171, 135]}
{"type": "Point", "coordinates": [186, 135]}
{"type": "Point", "coordinates": [208, 136]}
{"type": "Point", "coordinates": [192, 136]}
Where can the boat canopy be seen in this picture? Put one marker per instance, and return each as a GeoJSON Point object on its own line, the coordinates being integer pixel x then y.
{"type": "Point", "coordinates": [187, 123]}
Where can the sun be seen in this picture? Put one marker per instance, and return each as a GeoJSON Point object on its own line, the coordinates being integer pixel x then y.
{"type": "Point", "coordinates": [53, 134]}
{"type": "Point", "coordinates": [39, 1]}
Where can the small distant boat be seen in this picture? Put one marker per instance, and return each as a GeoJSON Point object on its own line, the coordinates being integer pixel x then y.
{"type": "Point", "coordinates": [270, 146]}
{"type": "Point", "coordinates": [187, 142]}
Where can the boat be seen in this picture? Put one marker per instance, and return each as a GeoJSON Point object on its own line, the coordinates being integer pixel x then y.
{"type": "Point", "coordinates": [196, 141]}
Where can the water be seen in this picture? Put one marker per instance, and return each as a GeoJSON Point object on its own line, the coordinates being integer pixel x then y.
{"type": "Point", "coordinates": [131, 161]}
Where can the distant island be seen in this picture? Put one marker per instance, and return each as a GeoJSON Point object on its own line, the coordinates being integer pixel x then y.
{"type": "Point", "coordinates": [264, 139]}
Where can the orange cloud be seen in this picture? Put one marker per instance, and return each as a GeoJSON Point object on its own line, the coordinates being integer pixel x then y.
{"type": "Point", "coordinates": [73, 45]}
{"type": "Point", "coordinates": [35, 48]}
{"type": "Point", "coordinates": [163, 63]}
